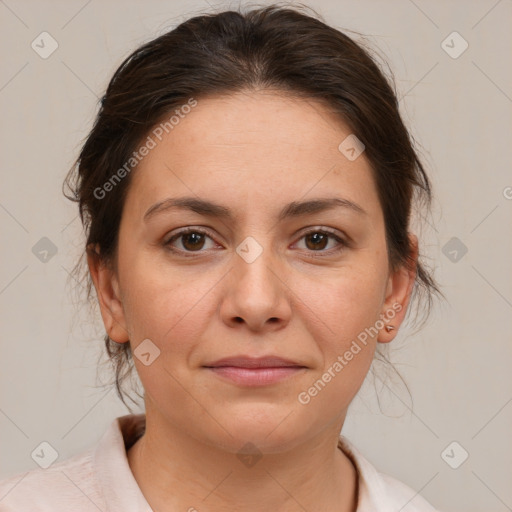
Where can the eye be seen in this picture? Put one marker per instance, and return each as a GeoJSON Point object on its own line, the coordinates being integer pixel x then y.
{"type": "Point", "coordinates": [189, 240]}
{"type": "Point", "coordinates": [317, 240]}
{"type": "Point", "coordinates": [194, 240]}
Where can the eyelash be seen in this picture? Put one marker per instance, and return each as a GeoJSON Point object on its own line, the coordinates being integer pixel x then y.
{"type": "Point", "coordinates": [191, 254]}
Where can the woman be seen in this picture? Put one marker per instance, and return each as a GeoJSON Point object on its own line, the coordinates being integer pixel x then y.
{"type": "Point", "coordinates": [246, 192]}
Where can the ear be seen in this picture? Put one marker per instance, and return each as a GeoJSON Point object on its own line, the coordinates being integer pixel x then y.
{"type": "Point", "coordinates": [398, 294]}
{"type": "Point", "coordinates": [107, 290]}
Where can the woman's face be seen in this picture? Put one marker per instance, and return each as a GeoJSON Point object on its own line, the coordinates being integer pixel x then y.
{"type": "Point", "coordinates": [258, 276]}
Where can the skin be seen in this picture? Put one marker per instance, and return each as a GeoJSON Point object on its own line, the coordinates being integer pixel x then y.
{"type": "Point", "coordinates": [253, 153]}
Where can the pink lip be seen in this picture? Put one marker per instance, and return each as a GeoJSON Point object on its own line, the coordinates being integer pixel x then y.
{"type": "Point", "coordinates": [255, 376]}
{"type": "Point", "coordinates": [254, 362]}
{"type": "Point", "coordinates": [250, 371]}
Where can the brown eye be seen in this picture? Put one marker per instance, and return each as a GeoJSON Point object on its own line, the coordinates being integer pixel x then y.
{"type": "Point", "coordinates": [193, 241]}
{"type": "Point", "coordinates": [189, 241]}
{"type": "Point", "coordinates": [316, 240]}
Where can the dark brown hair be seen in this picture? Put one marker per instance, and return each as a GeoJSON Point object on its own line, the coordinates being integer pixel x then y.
{"type": "Point", "coordinates": [273, 47]}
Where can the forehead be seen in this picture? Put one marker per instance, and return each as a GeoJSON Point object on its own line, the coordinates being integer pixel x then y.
{"type": "Point", "coordinates": [257, 144]}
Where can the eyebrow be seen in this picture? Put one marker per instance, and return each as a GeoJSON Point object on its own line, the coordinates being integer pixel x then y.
{"type": "Point", "coordinates": [293, 209]}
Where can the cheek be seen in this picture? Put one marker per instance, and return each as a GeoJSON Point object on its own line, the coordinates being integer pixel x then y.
{"type": "Point", "coordinates": [344, 303]}
{"type": "Point", "coordinates": [173, 316]}
{"type": "Point", "coordinates": [342, 313]}
{"type": "Point", "coordinates": [345, 344]}
{"type": "Point", "coordinates": [164, 304]}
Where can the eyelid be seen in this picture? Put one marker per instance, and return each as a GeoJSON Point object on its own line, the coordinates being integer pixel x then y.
{"type": "Point", "coordinates": [189, 229]}
{"type": "Point", "coordinates": [343, 240]}
{"type": "Point", "coordinates": [318, 228]}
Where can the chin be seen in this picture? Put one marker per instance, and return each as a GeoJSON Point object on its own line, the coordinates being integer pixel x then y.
{"type": "Point", "coordinates": [268, 427]}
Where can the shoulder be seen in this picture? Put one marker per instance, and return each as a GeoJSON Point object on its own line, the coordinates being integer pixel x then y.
{"type": "Point", "coordinates": [85, 482]}
{"type": "Point", "coordinates": [69, 483]}
{"type": "Point", "coordinates": [403, 497]}
{"type": "Point", "coordinates": [379, 492]}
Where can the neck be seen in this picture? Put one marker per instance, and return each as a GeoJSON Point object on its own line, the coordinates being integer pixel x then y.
{"type": "Point", "coordinates": [177, 472]}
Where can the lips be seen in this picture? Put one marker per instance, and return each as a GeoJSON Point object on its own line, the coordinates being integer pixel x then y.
{"type": "Point", "coordinates": [249, 371]}
{"type": "Point", "coordinates": [254, 362]}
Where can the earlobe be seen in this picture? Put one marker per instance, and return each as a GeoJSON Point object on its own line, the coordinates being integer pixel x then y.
{"type": "Point", "coordinates": [398, 294]}
{"type": "Point", "coordinates": [107, 290]}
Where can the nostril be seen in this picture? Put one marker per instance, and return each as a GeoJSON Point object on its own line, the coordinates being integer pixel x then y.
{"type": "Point", "coordinates": [238, 319]}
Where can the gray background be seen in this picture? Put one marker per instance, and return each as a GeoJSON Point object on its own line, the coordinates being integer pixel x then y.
{"type": "Point", "coordinates": [459, 109]}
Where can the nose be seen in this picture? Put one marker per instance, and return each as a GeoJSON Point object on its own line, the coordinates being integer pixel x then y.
{"type": "Point", "coordinates": [256, 294]}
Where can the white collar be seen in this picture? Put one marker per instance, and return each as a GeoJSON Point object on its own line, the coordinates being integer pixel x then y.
{"type": "Point", "coordinates": [376, 492]}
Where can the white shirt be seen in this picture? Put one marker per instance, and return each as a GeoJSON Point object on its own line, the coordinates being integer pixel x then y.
{"type": "Point", "coordinates": [100, 479]}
